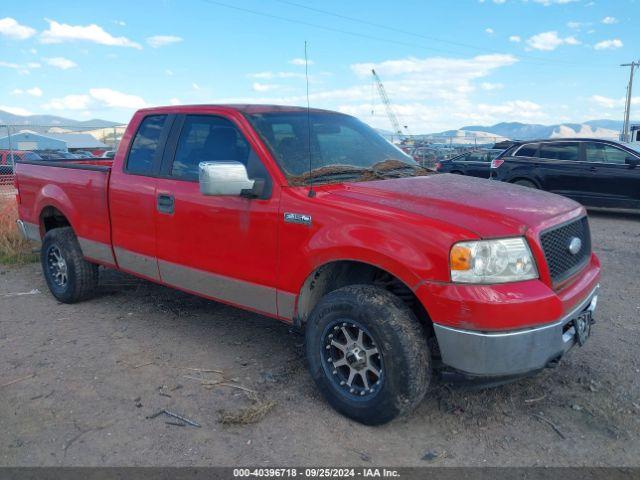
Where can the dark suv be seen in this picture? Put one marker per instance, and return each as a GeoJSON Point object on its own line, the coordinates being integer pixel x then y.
{"type": "Point", "coordinates": [475, 163]}
{"type": "Point", "coordinates": [597, 173]}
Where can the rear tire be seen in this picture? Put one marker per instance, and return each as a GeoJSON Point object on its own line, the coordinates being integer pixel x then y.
{"type": "Point", "coordinates": [357, 331]}
{"type": "Point", "coordinates": [526, 183]}
{"type": "Point", "coordinates": [69, 276]}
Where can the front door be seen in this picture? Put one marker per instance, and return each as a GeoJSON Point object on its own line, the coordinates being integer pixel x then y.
{"type": "Point", "coordinates": [221, 247]}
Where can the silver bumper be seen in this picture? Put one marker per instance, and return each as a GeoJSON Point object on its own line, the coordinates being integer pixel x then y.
{"type": "Point", "coordinates": [513, 352]}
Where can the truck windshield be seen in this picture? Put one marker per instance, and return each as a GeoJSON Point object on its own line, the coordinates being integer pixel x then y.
{"type": "Point", "coordinates": [341, 147]}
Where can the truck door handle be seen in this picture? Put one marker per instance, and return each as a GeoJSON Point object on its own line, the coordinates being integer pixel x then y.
{"type": "Point", "coordinates": [165, 203]}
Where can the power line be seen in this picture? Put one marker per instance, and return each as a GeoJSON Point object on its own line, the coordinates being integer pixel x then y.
{"type": "Point", "coordinates": [406, 32]}
{"type": "Point", "coordinates": [367, 36]}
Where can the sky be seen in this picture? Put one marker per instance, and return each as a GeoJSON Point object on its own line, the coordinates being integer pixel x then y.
{"type": "Point", "coordinates": [444, 64]}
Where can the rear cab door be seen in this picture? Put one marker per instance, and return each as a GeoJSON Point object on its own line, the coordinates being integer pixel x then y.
{"type": "Point", "coordinates": [132, 195]}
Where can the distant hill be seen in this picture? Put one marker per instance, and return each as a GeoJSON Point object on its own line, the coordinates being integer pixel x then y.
{"type": "Point", "coordinates": [525, 131]}
{"type": "Point", "coordinates": [34, 121]}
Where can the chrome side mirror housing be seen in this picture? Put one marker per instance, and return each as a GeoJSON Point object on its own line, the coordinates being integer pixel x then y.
{"type": "Point", "coordinates": [223, 178]}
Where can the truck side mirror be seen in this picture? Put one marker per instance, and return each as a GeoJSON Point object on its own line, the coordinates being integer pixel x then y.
{"type": "Point", "coordinates": [633, 162]}
{"type": "Point", "coordinates": [223, 178]}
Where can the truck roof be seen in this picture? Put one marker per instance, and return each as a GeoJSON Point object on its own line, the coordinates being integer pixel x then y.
{"type": "Point", "coordinates": [243, 108]}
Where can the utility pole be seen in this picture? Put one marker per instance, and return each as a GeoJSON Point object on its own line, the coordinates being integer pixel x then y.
{"type": "Point", "coordinates": [627, 107]}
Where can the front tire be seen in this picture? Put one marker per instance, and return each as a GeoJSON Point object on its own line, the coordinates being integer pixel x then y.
{"type": "Point", "coordinates": [367, 354]}
{"type": "Point", "coordinates": [69, 276]}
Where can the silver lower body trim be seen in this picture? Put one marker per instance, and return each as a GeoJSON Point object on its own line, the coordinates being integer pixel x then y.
{"type": "Point", "coordinates": [512, 352]}
{"type": "Point", "coordinates": [238, 292]}
{"type": "Point", "coordinates": [137, 263]}
{"type": "Point", "coordinates": [98, 251]}
{"type": "Point", "coordinates": [30, 231]}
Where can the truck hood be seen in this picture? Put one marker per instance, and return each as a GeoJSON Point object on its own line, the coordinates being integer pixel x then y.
{"type": "Point", "coordinates": [486, 207]}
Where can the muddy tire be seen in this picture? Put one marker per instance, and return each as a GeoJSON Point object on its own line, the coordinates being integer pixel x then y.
{"type": "Point", "coordinates": [69, 276]}
{"type": "Point", "coordinates": [368, 354]}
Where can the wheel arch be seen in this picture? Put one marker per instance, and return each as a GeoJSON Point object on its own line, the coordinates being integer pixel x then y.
{"type": "Point", "coordinates": [339, 273]}
{"type": "Point", "coordinates": [528, 179]}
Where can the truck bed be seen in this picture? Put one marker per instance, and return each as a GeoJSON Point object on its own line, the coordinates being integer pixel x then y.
{"type": "Point", "coordinates": [77, 187]}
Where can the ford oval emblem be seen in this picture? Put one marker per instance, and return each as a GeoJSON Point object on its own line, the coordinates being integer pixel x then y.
{"type": "Point", "coordinates": [575, 244]}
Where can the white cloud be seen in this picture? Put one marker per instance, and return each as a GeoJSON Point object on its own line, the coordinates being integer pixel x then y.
{"type": "Point", "coordinates": [195, 86]}
{"type": "Point", "coordinates": [9, 27]}
{"type": "Point", "coordinates": [16, 110]}
{"type": "Point", "coordinates": [263, 87]}
{"type": "Point", "coordinates": [609, 20]}
{"type": "Point", "coordinates": [489, 30]}
{"type": "Point", "coordinates": [60, 62]}
{"type": "Point", "coordinates": [300, 62]}
{"type": "Point", "coordinates": [103, 97]}
{"type": "Point", "coordinates": [515, 38]}
{"type": "Point", "coordinates": [115, 99]}
{"type": "Point", "coordinates": [62, 32]}
{"type": "Point", "coordinates": [22, 68]}
{"type": "Point", "coordinates": [488, 86]}
{"type": "Point", "coordinates": [546, 3]}
{"type": "Point", "coordinates": [609, 44]}
{"type": "Point", "coordinates": [158, 41]}
{"type": "Point", "coordinates": [122, 23]}
{"type": "Point", "coordinates": [168, 72]}
{"type": "Point", "coordinates": [499, 2]}
{"type": "Point", "coordinates": [550, 41]}
{"type": "Point", "coordinates": [68, 102]}
{"type": "Point", "coordinates": [175, 101]}
{"type": "Point", "coordinates": [34, 92]}
{"type": "Point", "coordinates": [608, 102]}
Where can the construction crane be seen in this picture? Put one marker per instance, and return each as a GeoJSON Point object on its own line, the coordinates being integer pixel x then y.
{"type": "Point", "coordinates": [397, 130]}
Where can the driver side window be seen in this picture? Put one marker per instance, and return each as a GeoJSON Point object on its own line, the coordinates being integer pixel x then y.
{"type": "Point", "coordinates": [209, 138]}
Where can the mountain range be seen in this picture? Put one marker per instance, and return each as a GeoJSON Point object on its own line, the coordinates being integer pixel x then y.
{"type": "Point", "coordinates": [31, 121]}
{"type": "Point", "coordinates": [526, 131]}
{"type": "Point", "coordinates": [511, 130]}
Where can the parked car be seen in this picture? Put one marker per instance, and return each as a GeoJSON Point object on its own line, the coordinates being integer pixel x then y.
{"type": "Point", "coordinates": [596, 173]}
{"type": "Point", "coordinates": [391, 271]}
{"type": "Point", "coordinates": [55, 155]}
{"type": "Point", "coordinates": [109, 154]}
{"type": "Point", "coordinates": [476, 163]}
{"type": "Point", "coordinates": [83, 154]}
{"type": "Point", "coordinates": [8, 157]}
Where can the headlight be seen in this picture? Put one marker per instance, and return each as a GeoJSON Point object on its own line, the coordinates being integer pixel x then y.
{"type": "Point", "coordinates": [492, 261]}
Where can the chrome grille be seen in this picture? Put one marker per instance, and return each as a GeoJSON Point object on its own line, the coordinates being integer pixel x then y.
{"type": "Point", "coordinates": [555, 244]}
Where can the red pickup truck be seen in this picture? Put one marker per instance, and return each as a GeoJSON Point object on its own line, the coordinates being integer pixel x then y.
{"type": "Point", "coordinates": [312, 218]}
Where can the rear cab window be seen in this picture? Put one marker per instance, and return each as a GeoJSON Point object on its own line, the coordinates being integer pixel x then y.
{"type": "Point", "coordinates": [145, 152]}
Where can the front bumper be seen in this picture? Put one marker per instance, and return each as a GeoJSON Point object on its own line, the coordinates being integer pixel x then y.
{"type": "Point", "coordinates": [517, 352]}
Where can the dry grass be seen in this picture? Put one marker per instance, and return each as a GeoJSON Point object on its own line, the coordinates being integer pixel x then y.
{"type": "Point", "coordinates": [13, 248]}
{"type": "Point", "coordinates": [247, 415]}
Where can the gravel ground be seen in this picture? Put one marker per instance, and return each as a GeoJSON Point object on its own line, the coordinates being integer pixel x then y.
{"type": "Point", "coordinates": [77, 383]}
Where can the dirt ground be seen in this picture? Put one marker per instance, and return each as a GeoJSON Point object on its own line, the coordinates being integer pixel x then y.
{"type": "Point", "coordinates": [77, 383]}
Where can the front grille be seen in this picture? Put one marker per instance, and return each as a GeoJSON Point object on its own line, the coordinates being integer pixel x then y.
{"type": "Point", "coordinates": [555, 244]}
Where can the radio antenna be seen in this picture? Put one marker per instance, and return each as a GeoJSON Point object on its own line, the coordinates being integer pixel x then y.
{"type": "Point", "coordinates": [312, 193]}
